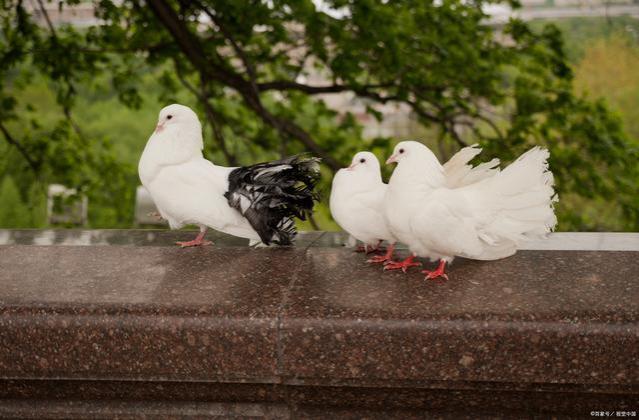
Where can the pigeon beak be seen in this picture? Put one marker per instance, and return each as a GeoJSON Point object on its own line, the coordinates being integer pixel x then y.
{"type": "Point", "coordinates": [350, 168]}
{"type": "Point", "coordinates": [392, 159]}
{"type": "Point", "coordinates": [159, 127]}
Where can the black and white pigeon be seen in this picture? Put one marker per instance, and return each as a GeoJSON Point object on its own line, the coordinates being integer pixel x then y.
{"type": "Point", "coordinates": [258, 202]}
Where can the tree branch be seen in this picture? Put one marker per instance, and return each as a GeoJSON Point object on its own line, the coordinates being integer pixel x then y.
{"type": "Point", "coordinates": [491, 123]}
{"type": "Point", "coordinates": [190, 44]}
{"type": "Point", "coordinates": [254, 101]}
{"type": "Point", "coordinates": [334, 88]}
{"type": "Point", "coordinates": [192, 49]}
{"type": "Point", "coordinates": [250, 69]}
{"type": "Point", "coordinates": [211, 116]}
{"type": "Point", "coordinates": [67, 79]}
{"type": "Point", "coordinates": [35, 165]}
{"type": "Point", "coordinates": [48, 20]}
{"type": "Point", "coordinates": [362, 91]}
{"type": "Point", "coordinates": [449, 126]}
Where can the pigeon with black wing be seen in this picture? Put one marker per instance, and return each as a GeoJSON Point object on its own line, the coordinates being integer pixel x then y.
{"type": "Point", "coordinates": [258, 202]}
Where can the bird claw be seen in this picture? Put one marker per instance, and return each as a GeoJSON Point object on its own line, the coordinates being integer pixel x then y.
{"type": "Point", "coordinates": [438, 272]}
{"type": "Point", "coordinates": [433, 275]}
{"type": "Point", "coordinates": [403, 265]}
{"type": "Point", "coordinates": [384, 259]}
{"type": "Point", "coordinates": [194, 242]}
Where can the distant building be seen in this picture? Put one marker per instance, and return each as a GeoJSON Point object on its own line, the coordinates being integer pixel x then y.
{"type": "Point", "coordinates": [81, 14]}
{"type": "Point", "coordinates": [572, 3]}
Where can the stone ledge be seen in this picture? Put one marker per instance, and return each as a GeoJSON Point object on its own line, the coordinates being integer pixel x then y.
{"type": "Point", "coordinates": [311, 327]}
{"type": "Point", "coordinates": [558, 241]}
{"type": "Point", "coordinates": [82, 399]}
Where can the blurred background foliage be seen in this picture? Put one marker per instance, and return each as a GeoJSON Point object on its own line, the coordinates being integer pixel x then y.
{"type": "Point", "coordinates": [77, 104]}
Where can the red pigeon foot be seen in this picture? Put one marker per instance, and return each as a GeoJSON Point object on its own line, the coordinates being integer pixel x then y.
{"type": "Point", "coordinates": [198, 241]}
{"type": "Point", "coordinates": [403, 265]}
{"type": "Point", "coordinates": [386, 258]}
{"type": "Point", "coordinates": [438, 272]}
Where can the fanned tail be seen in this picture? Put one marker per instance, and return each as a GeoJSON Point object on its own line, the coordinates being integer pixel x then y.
{"type": "Point", "coordinates": [271, 194]}
{"type": "Point", "coordinates": [524, 196]}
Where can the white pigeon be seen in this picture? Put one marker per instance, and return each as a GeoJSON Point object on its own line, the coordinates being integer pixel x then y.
{"type": "Point", "coordinates": [485, 220]}
{"type": "Point", "coordinates": [257, 202]}
{"type": "Point", "coordinates": [357, 196]}
{"type": "Point", "coordinates": [356, 203]}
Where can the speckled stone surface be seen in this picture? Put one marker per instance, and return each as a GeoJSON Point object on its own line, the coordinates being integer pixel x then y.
{"type": "Point", "coordinates": [311, 332]}
{"type": "Point", "coordinates": [143, 237]}
{"type": "Point", "coordinates": [566, 241]}
{"type": "Point", "coordinates": [151, 312]}
{"type": "Point", "coordinates": [539, 316]}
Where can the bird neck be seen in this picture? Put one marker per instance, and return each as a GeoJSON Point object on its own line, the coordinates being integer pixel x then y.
{"type": "Point", "coordinates": [425, 175]}
{"type": "Point", "coordinates": [170, 147]}
{"type": "Point", "coordinates": [347, 184]}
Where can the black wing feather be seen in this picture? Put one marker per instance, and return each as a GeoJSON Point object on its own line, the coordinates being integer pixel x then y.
{"type": "Point", "coordinates": [270, 194]}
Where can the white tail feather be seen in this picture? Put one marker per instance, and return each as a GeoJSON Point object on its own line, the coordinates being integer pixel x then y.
{"type": "Point", "coordinates": [460, 173]}
{"type": "Point", "coordinates": [522, 198]}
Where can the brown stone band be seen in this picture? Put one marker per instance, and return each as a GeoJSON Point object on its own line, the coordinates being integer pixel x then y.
{"type": "Point", "coordinates": [301, 331]}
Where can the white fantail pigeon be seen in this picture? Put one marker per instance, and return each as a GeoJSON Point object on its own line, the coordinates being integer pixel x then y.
{"type": "Point", "coordinates": [485, 220]}
{"type": "Point", "coordinates": [257, 202]}
{"type": "Point", "coordinates": [358, 192]}
{"type": "Point", "coordinates": [356, 203]}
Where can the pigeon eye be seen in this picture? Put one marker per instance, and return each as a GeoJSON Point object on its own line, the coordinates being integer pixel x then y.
{"type": "Point", "coordinates": [362, 160]}
{"type": "Point", "coordinates": [168, 117]}
{"type": "Point", "coordinates": [401, 150]}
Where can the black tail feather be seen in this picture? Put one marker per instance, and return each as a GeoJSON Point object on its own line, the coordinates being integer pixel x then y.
{"type": "Point", "coordinates": [270, 194]}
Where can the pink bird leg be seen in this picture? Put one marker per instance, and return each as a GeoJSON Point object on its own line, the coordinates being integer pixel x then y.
{"type": "Point", "coordinates": [386, 258]}
{"type": "Point", "coordinates": [198, 241]}
{"type": "Point", "coordinates": [438, 272]}
{"type": "Point", "coordinates": [403, 265]}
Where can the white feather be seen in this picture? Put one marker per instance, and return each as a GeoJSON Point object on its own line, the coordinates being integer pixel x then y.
{"type": "Point", "coordinates": [244, 203]}
{"type": "Point", "coordinates": [460, 173]}
{"type": "Point", "coordinates": [357, 196]}
{"type": "Point", "coordinates": [272, 169]}
{"type": "Point", "coordinates": [186, 188]}
{"type": "Point", "coordinates": [485, 219]}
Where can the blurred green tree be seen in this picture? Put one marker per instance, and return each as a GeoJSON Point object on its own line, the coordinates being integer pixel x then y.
{"type": "Point", "coordinates": [609, 68]}
{"type": "Point", "coordinates": [246, 66]}
{"type": "Point", "coordinates": [14, 212]}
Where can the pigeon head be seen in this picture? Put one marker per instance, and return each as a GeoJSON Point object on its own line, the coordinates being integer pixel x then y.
{"type": "Point", "coordinates": [411, 151]}
{"type": "Point", "coordinates": [177, 116]}
{"type": "Point", "coordinates": [416, 161]}
{"type": "Point", "coordinates": [364, 162]}
{"type": "Point", "coordinates": [176, 139]}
